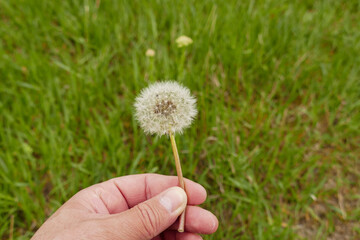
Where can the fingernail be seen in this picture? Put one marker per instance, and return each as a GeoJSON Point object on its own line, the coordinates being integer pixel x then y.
{"type": "Point", "coordinates": [174, 200]}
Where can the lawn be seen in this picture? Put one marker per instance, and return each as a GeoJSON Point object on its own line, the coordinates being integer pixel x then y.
{"type": "Point", "coordinates": [275, 143]}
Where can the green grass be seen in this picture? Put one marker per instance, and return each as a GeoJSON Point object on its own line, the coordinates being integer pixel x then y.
{"type": "Point", "coordinates": [278, 88]}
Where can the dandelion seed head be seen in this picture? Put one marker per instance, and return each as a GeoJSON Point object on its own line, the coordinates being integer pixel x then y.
{"type": "Point", "coordinates": [150, 52]}
{"type": "Point", "coordinates": [165, 107]}
{"type": "Point", "coordinates": [183, 41]}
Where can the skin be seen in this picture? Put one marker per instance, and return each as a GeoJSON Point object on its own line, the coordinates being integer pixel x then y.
{"type": "Point", "coordinates": [134, 207]}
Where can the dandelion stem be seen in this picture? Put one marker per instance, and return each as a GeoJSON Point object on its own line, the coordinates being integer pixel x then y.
{"type": "Point", "coordinates": [11, 233]}
{"type": "Point", "coordinates": [181, 64]}
{"type": "Point", "coordinates": [180, 177]}
{"type": "Point", "coordinates": [151, 70]}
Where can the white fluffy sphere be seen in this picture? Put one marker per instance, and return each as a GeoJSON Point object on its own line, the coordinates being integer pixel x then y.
{"type": "Point", "coordinates": [165, 107]}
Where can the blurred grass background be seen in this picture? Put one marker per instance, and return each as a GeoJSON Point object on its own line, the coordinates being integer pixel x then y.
{"type": "Point", "coordinates": [276, 141]}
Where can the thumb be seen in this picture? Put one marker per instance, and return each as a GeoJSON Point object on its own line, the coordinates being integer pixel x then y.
{"type": "Point", "coordinates": [148, 219]}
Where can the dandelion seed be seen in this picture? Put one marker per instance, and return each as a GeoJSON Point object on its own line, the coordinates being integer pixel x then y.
{"type": "Point", "coordinates": [183, 41]}
{"type": "Point", "coordinates": [165, 107]}
{"type": "Point", "coordinates": [313, 197]}
{"type": "Point", "coordinates": [150, 52]}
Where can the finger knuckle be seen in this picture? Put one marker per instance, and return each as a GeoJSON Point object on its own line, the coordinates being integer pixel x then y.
{"type": "Point", "coordinates": [150, 220]}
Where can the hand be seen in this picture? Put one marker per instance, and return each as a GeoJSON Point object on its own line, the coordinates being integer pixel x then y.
{"type": "Point", "coordinates": [135, 207]}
